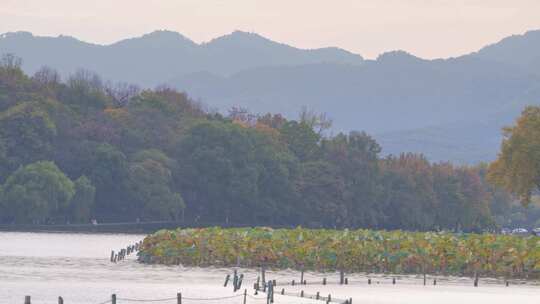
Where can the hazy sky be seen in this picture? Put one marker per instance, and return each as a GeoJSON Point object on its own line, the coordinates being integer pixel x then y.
{"type": "Point", "coordinates": [426, 28]}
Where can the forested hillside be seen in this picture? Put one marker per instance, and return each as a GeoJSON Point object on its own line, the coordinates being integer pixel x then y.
{"type": "Point", "coordinates": [407, 103]}
{"type": "Point", "coordinates": [79, 149]}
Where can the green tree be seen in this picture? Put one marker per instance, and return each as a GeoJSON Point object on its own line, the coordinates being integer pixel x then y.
{"type": "Point", "coordinates": [356, 156]}
{"type": "Point", "coordinates": [82, 202]}
{"type": "Point", "coordinates": [301, 139]}
{"type": "Point", "coordinates": [27, 131]}
{"type": "Point", "coordinates": [517, 168]}
{"type": "Point", "coordinates": [167, 111]}
{"type": "Point", "coordinates": [408, 197]}
{"type": "Point", "coordinates": [84, 93]}
{"type": "Point", "coordinates": [15, 86]}
{"type": "Point", "coordinates": [106, 166]}
{"type": "Point", "coordinates": [217, 169]}
{"type": "Point", "coordinates": [322, 191]}
{"type": "Point", "coordinates": [149, 186]}
{"type": "Point", "coordinates": [37, 191]}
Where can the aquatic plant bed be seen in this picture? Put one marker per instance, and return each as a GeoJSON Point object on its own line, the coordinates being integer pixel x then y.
{"type": "Point", "coordinates": [347, 250]}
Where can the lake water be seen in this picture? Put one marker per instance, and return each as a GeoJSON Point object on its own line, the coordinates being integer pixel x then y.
{"type": "Point", "coordinates": [77, 267]}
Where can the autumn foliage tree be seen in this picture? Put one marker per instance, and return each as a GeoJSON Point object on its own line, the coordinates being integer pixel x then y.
{"type": "Point", "coordinates": [517, 168]}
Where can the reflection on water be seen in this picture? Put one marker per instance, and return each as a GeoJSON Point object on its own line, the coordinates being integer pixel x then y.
{"type": "Point", "coordinates": [77, 267]}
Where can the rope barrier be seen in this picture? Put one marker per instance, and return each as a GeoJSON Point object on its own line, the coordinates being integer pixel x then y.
{"type": "Point", "coordinates": [212, 299]}
{"type": "Point", "coordinates": [255, 298]}
{"type": "Point", "coordinates": [311, 297]}
{"type": "Point", "coordinates": [147, 300]}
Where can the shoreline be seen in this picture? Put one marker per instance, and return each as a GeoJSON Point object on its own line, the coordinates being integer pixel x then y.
{"type": "Point", "coordinates": [148, 227]}
{"type": "Point", "coordinates": [105, 228]}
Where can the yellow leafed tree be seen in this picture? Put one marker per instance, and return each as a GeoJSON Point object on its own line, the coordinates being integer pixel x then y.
{"type": "Point", "coordinates": [517, 168]}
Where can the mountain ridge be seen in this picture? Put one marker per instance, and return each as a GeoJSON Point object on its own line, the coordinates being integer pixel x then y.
{"type": "Point", "coordinates": [167, 48]}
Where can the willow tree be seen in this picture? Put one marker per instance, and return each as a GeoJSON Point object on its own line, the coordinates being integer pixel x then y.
{"type": "Point", "coordinates": [37, 191]}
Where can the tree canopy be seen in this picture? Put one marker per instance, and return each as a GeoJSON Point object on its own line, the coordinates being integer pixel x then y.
{"type": "Point", "coordinates": [85, 148]}
{"type": "Point", "coordinates": [517, 168]}
{"type": "Point", "coordinates": [36, 191]}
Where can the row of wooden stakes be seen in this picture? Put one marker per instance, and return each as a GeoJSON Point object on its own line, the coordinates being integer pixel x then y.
{"type": "Point", "coordinates": [269, 287]}
{"type": "Point", "coordinates": [237, 280]}
{"type": "Point", "coordinates": [124, 252]}
{"type": "Point", "coordinates": [345, 281]}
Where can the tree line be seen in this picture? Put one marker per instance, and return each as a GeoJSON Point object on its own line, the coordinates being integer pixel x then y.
{"type": "Point", "coordinates": [80, 149]}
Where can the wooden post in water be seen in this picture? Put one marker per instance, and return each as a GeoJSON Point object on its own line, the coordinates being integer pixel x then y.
{"type": "Point", "coordinates": [435, 281]}
{"type": "Point", "coordinates": [113, 298]}
{"type": "Point", "coordinates": [269, 293]}
{"type": "Point", "coordinates": [369, 281]}
{"type": "Point", "coordinates": [346, 281]}
{"type": "Point", "coordinates": [424, 278]}
{"type": "Point", "coordinates": [60, 300]}
{"type": "Point", "coordinates": [475, 279]}
{"type": "Point", "coordinates": [245, 296]}
{"type": "Point", "coordinates": [317, 296]}
{"type": "Point", "coordinates": [329, 299]}
{"type": "Point", "coordinates": [112, 255]}
{"type": "Point", "coordinates": [263, 275]}
{"type": "Point", "coordinates": [227, 278]}
{"type": "Point", "coordinates": [393, 281]}
{"type": "Point", "coordinates": [302, 276]}
{"type": "Point", "coordinates": [179, 298]}
{"type": "Point", "coordinates": [301, 294]}
{"type": "Point", "coordinates": [27, 300]}
{"type": "Point", "coordinates": [240, 282]}
{"type": "Point", "coordinates": [324, 281]}
{"type": "Point", "coordinates": [341, 277]}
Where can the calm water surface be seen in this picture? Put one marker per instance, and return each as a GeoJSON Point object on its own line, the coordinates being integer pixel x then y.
{"type": "Point", "coordinates": [77, 267]}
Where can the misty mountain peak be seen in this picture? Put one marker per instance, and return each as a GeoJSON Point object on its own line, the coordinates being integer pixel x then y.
{"type": "Point", "coordinates": [240, 38]}
{"type": "Point", "coordinates": [165, 35]}
{"type": "Point", "coordinates": [397, 57]}
{"type": "Point", "coordinates": [161, 38]}
{"type": "Point", "coordinates": [518, 50]}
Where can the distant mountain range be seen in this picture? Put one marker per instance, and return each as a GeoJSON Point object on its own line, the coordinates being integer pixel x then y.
{"type": "Point", "coordinates": [160, 56]}
{"type": "Point", "coordinates": [448, 109]}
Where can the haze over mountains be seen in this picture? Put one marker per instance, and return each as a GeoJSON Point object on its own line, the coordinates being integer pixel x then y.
{"type": "Point", "coordinates": [449, 109]}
